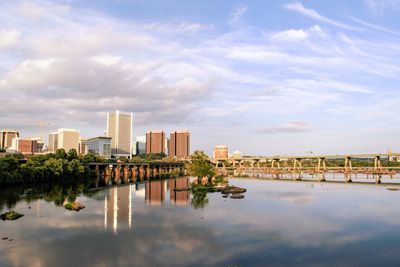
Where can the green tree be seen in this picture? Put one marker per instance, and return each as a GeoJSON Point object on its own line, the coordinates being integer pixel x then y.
{"type": "Point", "coordinates": [200, 165]}
{"type": "Point", "coordinates": [61, 154]}
{"type": "Point", "coordinates": [72, 154]}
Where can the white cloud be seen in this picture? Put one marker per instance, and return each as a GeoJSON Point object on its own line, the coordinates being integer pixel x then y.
{"type": "Point", "coordinates": [376, 27]}
{"type": "Point", "coordinates": [37, 10]}
{"type": "Point", "coordinates": [235, 18]}
{"type": "Point", "coordinates": [296, 35]}
{"type": "Point", "coordinates": [291, 127]}
{"type": "Point", "coordinates": [291, 35]}
{"type": "Point", "coordinates": [298, 7]}
{"type": "Point", "coordinates": [379, 6]}
{"type": "Point", "coordinates": [9, 38]}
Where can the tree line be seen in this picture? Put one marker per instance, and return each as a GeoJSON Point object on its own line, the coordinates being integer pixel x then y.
{"type": "Point", "coordinates": [61, 165]}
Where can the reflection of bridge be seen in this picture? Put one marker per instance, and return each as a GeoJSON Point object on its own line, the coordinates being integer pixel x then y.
{"type": "Point", "coordinates": [108, 173]}
{"type": "Point", "coordinates": [293, 165]}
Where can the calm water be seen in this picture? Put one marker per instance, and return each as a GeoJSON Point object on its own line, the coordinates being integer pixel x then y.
{"type": "Point", "coordinates": [278, 223]}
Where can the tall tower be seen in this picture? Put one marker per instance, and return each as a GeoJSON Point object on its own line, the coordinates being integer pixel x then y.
{"type": "Point", "coordinates": [119, 128]}
{"type": "Point", "coordinates": [179, 144]}
{"type": "Point", "coordinates": [155, 142]}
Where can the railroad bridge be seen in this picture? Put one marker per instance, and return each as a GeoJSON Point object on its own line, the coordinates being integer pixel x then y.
{"type": "Point", "coordinates": [108, 173]}
{"type": "Point", "coordinates": [316, 165]}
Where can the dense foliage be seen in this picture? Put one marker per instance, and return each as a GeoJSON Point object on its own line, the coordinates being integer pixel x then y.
{"type": "Point", "coordinates": [200, 165]}
{"type": "Point", "coordinates": [39, 168]}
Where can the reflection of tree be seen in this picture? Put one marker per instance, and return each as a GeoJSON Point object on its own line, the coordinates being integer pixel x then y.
{"type": "Point", "coordinates": [199, 199]}
{"type": "Point", "coordinates": [51, 192]}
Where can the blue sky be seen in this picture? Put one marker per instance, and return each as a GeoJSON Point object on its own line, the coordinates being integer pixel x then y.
{"type": "Point", "coordinates": [263, 77]}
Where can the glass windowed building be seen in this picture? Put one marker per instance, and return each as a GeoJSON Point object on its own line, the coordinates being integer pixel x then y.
{"type": "Point", "coordinates": [99, 146]}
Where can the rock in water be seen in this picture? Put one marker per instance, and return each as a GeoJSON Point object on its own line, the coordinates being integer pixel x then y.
{"type": "Point", "coordinates": [11, 215]}
{"type": "Point", "coordinates": [237, 196]}
{"type": "Point", "coordinates": [393, 188]}
{"type": "Point", "coordinates": [76, 206]}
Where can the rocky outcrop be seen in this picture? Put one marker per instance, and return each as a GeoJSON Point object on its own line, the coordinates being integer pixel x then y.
{"type": "Point", "coordinates": [11, 215]}
{"type": "Point", "coordinates": [76, 206]}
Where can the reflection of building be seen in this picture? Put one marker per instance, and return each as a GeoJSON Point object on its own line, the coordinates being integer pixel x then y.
{"type": "Point", "coordinates": [140, 145]}
{"type": "Point", "coordinates": [118, 207]}
{"type": "Point", "coordinates": [180, 197]}
{"type": "Point", "coordinates": [119, 128]}
{"type": "Point", "coordinates": [155, 192]}
{"type": "Point", "coordinates": [179, 144]}
{"type": "Point", "coordinates": [220, 152]}
{"type": "Point", "coordinates": [99, 146]}
{"type": "Point", "coordinates": [155, 142]}
{"type": "Point", "coordinates": [6, 137]}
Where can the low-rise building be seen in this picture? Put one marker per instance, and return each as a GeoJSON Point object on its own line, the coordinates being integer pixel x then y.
{"type": "Point", "coordinates": [220, 152]}
{"type": "Point", "coordinates": [6, 137]}
{"type": "Point", "coordinates": [98, 145]}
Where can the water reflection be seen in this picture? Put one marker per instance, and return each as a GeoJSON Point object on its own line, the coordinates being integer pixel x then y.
{"type": "Point", "coordinates": [278, 224]}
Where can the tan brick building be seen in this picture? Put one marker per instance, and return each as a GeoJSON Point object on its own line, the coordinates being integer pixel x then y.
{"type": "Point", "coordinates": [220, 152]}
{"type": "Point", "coordinates": [155, 142]}
{"type": "Point", "coordinates": [179, 144]}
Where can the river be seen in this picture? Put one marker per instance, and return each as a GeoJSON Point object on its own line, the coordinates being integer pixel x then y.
{"type": "Point", "coordinates": [278, 223]}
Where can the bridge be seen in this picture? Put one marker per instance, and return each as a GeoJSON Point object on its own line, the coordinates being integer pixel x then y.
{"type": "Point", "coordinates": [293, 166]}
{"type": "Point", "coordinates": [108, 173]}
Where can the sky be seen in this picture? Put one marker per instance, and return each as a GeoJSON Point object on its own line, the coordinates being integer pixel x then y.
{"type": "Point", "coordinates": [263, 77]}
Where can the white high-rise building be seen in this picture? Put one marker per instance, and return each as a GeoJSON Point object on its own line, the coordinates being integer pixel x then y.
{"type": "Point", "coordinates": [119, 128]}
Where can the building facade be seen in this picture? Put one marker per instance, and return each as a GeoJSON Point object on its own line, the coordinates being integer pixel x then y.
{"type": "Point", "coordinates": [53, 142]}
{"type": "Point", "coordinates": [25, 146]}
{"type": "Point", "coordinates": [119, 128]}
{"type": "Point", "coordinates": [68, 139]}
{"type": "Point", "coordinates": [179, 144]}
{"type": "Point", "coordinates": [98, 145]}
{"type": "Point", "coordinates": [6, 137]}
{"type": "Point", "coordinates": [155, 142]}
{"type": "Point", "coordinates": [220, 152]}
{"type": "Point", "coordinates": [140, 145]}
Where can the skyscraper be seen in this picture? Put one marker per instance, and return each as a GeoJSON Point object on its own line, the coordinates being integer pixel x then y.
{"type": "Point", "coordinates": [155, 142]}
{"type": "Point", "coordinates": [179, 144]}
{"type": "Point", "coordinates": [119, 128]}
{"type": "Point", "coordinates": [6, 137]}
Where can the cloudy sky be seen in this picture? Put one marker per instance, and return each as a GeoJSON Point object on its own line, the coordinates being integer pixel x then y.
{"type": "Point", "coordinates": [263, 77]}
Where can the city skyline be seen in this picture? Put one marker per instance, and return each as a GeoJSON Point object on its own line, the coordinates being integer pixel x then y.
{"type": "Point", "coordinates": [262, 77]}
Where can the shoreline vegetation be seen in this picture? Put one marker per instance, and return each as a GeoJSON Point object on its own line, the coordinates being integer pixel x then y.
{"type": "Point", "coordinates": [200, 166]}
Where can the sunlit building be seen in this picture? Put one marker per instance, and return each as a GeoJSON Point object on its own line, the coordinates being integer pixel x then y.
{"type": "Point", "coordinates": [98, 145]}
{"type": "Point", "coordinates": [53, 142]}
{"type": "Point", "coordinates": [179, 144]}
{"type": "Point", "coordinates": [68, 139]}
{"type": "Point", "coordinates": [119, 128]}
{"type": "Point", "coordinates": [24, 146]}
{"type": "Point", "coordinates": [220, 152]}
{"type": "Point", "coordinates": [155, 142]}
{"type": "Point", "coordinates": [6, 137]}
